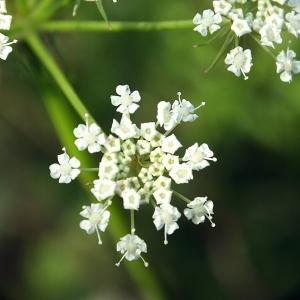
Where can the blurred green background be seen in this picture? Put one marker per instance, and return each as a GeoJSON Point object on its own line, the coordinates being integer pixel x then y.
{"type": "Point", "coordinates": [252, 126]}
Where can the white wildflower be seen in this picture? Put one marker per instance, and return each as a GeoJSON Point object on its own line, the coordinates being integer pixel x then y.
{"type": "Point", "coordinates": [287, 65]}
{"type": "Point", "coordinates": [103, 189]}
{"type": "Point", "coordinates": [162, 196]}
{"type": "Point", "coordinates": [125, 129]}
{"type": "Point", "coordinates": [89, 137]}
{"type": "Point", "coordinates": [198, 156]}
{"type": "Point", "coordinates": [148, 131]}
{"type": "Point", "coordinates": [131, 199]}
{"type": "Point", "coordinates": [112, 144]}
{"type": "Point", "coordinates": [131, 246]}
{"type": "Point", "coordinates": [270, 34]}
{"type": "Point", "coordinates": [162, 182]}
{"type": "Point", "coordinates": [67, 168]}
{"type": "Point", "coordinates": [222, 7]}
{"type": "Point", "coordinates": [5, 48]}
{"type": "Point", "coordinates": [240, 27]}
{"type": "Point", "coordinates": [170, 144]}
{"type": "Point", "coordinates": [97, 219]}
{"type": "Point", "coordinates": [126, 101]}
{"type": "Point", "coordinates": [239, 61]}
{"type": "Point", "coordinates": [199, 209]}
{"type": "Point", "coordinates": [181, 173]}
{"type": "Point", "coordinates": [166, 216]}
{"type": "Point", "coordinates": [169, 161]}
{"type": "Point", "coordinates": [293, 23]}
{"type": "Point", "coordinates": [207, 22]}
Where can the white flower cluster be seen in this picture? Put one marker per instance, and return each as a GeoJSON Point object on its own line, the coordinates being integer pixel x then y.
{"type": "Point", "coordinates": [264, 20]}
{"type": "Point", "coordinates": [5, 23]}
{"type": "Point", "coordinates": [138, 165]}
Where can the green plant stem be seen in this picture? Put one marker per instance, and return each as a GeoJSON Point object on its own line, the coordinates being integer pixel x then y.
{"type": "Point", "coordinates": [59, 77]}
{"type": "Point", "coordinates": [70, 26]}
{"type": "Point", "coordinates": [180, 196]}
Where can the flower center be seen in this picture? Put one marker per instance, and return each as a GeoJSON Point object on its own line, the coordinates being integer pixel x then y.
{"type": "Point", "coordinates": [239, 60]}
{"type": "Point", "coordinates": [89, 138]}
{"type": "Point", "coordinates": [126, 100]}
{"type": "Point", "coordinates": [95, 219]}
{"type": "Point", "coordinates": [65, 169]}
{"type": "Point", "coordinates": [197, 157]}
{"type": "Point", "coordinates": [167, 218]}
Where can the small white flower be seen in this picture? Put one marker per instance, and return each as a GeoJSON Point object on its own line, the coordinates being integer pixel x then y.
{"type": "Point", "coordinates": [156, 169]}
{"type": "Point", "coordinates": [67, 168]}
{"type": "Point", "coordinates": [131, 246]}
{"type": "Point", "coordinates": [145, 175]}
{"type": "Point", "coordinates": [293, 23]}
{"type": "Point", "coordinates": [198, 209]}
{"type": "Point", "coordinates": [169, 161]}
{"type": "Point", "coordinates": [5, 48]}
{"type": "Point", "coordinates": [121, 186]}
{"type": "Point", "coordinates": [240, 61]}
{"type": "Point", "coordinates": [131, 199]}
{"type": "Point", "coordinates": [89, 137]}
{"type": "Point", "coordinates": [125, 129]}
{"type": "Point", "coordinates": [128, 148]}
{"type": "Point", "coordinates": [162, 196]}
{"type": "Point", "coordinates": [157, 139]}
{"type": "Point", "coordinates": [110, 157]}
{"type": "Point", "coordinates": [287, 65]}
{"type": "Point", "coordinates": [270, 34]}
{"type": "Point", "coordinates": [222, 7]}
{"type": "Point", "coordinates": [183, 110]}
{"type": "Point", "coordinates": [112, 144]}
{"type": "Point", "coordinates": [170, 144]}
{"type": "Point", "coordinates": [181, 173]}
{"type": "Point", "coordinates": [97, 219]}
{"type": "Point", "coordinates": [240, 27]}
{"type": "Point", "coordinates": [162, 182]}
{"type": "Point", "coordinates": [5, 22]}
{"type": "Point", "coordinates": [148, 131]}
{"type": "Point", "coordinates": [143, 147]}
{"type": "Point", "coordinates": [164, 115]}
{"type": "Point", "coordinates": [108, 170]}
{"type": "Point", "coordinates": [208, 21]}
{"type": "Point", "coordinates": [156, 155]}
{"type": "Point", "coordinates": [197, 156]}
{"type": "Point", "coordinates": [126, 100]}
{"type": "Point", "coordinates": [166, 216]}
{"type": "Point", "coordinates": [145, 196]}
{"type": "Point", "coordinates": [103, 189]}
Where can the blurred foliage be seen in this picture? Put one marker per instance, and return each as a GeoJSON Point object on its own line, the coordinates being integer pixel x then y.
{"type": "Point", "coordinates": [252, 126]}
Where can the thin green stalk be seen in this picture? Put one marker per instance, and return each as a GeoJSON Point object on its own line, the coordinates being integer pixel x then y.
{"type": "Point", "coordinates": [221, 51]}
{"type": "Point", "coordinates": [70, 26]}
{"type": "Point", "coordinates": [266, 49]}
{"type": "Point", "coordinates": [63, 122]}
{"type": "Point", "coordinates": [57, 74]}
{"type": "Point", "coordinates": [180, 196]}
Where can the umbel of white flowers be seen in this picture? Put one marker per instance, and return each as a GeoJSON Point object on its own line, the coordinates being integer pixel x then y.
{"type": "Point", "coordinates": [140, 166]}
{"type": "Point", "coordinates": [263, 20]}
{"type": "Point", "coordinates": [5, 23]}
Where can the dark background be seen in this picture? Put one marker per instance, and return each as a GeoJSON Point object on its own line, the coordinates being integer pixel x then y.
{"type": "Point", "coordinates": [252, 126]}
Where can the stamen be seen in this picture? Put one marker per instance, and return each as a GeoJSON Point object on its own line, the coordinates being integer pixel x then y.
{"type": "Point", "coordinates": [145, 263]}
{"type": "Point", "coordinates": [210, 158]}
{"type": "Point", "coordinates": [13, 42]}
{"type": "Point", "coordinates": [245, 76]}
{"type": "Point", "coordinates": [202, 104]}
{"type": "Point", "coordinates": [64, 149]}
{"type": "Point", "coordinates": [165, 235]}
{"type": "Point", "coordinates": [118, 263]}
{"type": "Point", "coordinates": [179, 97]}
{"type": "Point", "coordinates": [98, 235]}
{"type": "Point", "coordinates": [132, 221]}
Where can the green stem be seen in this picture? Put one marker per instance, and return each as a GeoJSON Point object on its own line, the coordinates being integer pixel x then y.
{"type": "Point", "coordinates": [266, 49]}
{"type": "Point", "coordinates": [89, 169]}
{"type": "Point", "coordinates": [180, 196]}
{"type": "Point", "coordinates": [59, 77]}
{"type": "Point", "coordinates": [221, 51]}
{"type": "Point", "coordinates": [70, 26]}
